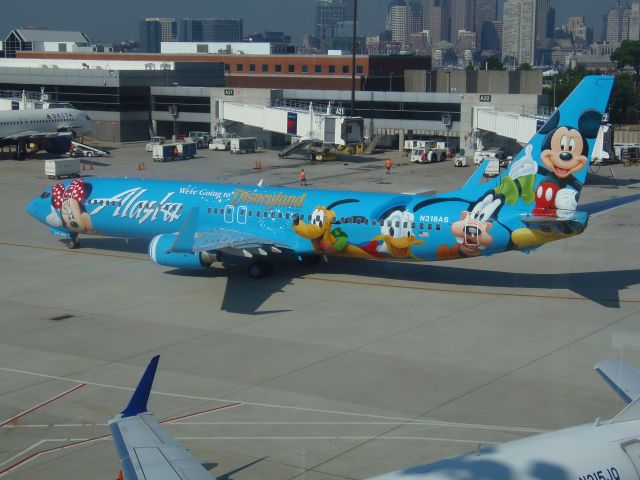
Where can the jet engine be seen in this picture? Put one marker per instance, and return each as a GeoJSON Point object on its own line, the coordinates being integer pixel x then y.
{"type": "Point", "coordinates": [159, 253]}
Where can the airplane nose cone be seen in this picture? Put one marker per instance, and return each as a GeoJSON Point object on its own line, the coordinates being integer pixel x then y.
{"type": "Point", "coordinates": [32, 208]}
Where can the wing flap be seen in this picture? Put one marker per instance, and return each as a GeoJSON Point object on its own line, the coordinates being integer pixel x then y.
{"type": "Point", "coordinates": [224, 239]}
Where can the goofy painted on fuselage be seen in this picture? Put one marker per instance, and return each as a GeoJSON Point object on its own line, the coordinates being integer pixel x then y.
{"type": "Point", "coordinates": [191, 225]}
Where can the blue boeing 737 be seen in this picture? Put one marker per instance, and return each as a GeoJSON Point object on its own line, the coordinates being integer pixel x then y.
{"type": "Point", "coordinates": [192, 225]}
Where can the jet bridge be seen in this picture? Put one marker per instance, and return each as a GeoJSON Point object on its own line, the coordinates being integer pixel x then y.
{"type": "Point", "coordinates": [520, 127]}
{"type": "Point", "coordinates": [307, 122]}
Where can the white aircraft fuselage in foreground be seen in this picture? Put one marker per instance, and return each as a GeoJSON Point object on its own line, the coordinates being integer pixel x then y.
{"type": "Point", "coordinates": [604, 450]}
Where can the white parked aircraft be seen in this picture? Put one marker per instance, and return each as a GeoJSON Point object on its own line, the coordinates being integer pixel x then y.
{"type": "Point", "coordinates": [604, 450]}
{"type": "Point", "coordinates": [50, 129]}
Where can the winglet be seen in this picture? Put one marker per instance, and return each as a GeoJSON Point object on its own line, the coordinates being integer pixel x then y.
{"type": "Point", "coordinates": [138, 402]}
{"type": "Point", "coordinates": [624, 379]}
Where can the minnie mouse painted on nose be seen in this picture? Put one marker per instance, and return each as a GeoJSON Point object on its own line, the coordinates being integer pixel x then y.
{"type": "Point", "coordinates": [70, 203]}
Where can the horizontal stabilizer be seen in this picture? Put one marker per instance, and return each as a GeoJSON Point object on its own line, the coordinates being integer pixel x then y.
{"type": "Point", "coordinates": [598, 208]}
{"type": "Point", "coordinates": [138, 402]}
{"type": "Point", "coordinates": [576, 223]}
{"type": "Point", "coordinates": [623, 378]}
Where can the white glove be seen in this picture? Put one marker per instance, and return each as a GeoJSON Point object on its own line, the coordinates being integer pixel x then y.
{"type": "Point", "coordinates": [525, 166]}
{"type": "Point", "coordinates": [566, 203]}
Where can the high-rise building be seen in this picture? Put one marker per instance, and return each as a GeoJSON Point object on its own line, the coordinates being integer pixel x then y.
{"type": "Point", "coordinates": [153, 31]}
{"type": "Point", "coordinates": [542, 8]}
{"type": "Point", "coordinates": [437, 19]}
{"type": "Point", "coordinates": [634, 21]}
{"type": "Point", "coordinates": [486, 11]}
{"type": "Point", "coordinates": [618, 24]}
{"type": "Point", "coordinates": [328, 14]}
{"type": "Point", "coordinates": [461, 14]}
{"type": "Point", "coordinates": [551, 23]}
{"type": "Point", "coordinates": [211, 30]}
{"type": "Point", "coordinates": [519, 27]}
{"type": "Point", "coordinates": [405, 20]}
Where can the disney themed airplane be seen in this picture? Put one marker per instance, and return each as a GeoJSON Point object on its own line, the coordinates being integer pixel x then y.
{"type": "Point", "coordinates": [604, 450]}
{"type": "Point", "coordinates": [49, 128]}
{"type": "Point", "coordinates": [193, 225]}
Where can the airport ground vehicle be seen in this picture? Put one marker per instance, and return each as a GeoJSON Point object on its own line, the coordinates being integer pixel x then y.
{"type": "Point", "coordinates": [460, 161]}
{"type": "Point", "coordinates": [62, 167]}
{"type": "Point", "coordinates": [201, 139]}
{"type": "Point", "coordinates": [154, 141]}
{"type": "Point", "coordinates": [428, 151]}
{"type": "Point", "coordinates": [480, 155]}
{"type": "Point", "coordinates": [174, 151]}
{"type": "Point", "coordinates": [243, 145]}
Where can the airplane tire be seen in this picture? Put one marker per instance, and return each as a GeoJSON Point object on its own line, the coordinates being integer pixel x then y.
{"type": "Point", "coordinates": [260, 269]}
{"type": "Point", "coordinates": [73, 243]}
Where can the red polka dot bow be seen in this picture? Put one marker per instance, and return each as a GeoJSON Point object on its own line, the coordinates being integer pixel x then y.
{"type": "Point", "coordinates": [75, 190]}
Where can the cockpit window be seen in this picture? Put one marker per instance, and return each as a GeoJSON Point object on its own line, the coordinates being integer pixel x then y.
{"type": "Point", "coordinates": [45, 194]}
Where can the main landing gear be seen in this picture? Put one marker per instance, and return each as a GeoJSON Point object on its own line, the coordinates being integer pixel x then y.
{"type": "Point", "coordinates": [260, 269]}
{"type": "Point", "coordinates": [73, 242]}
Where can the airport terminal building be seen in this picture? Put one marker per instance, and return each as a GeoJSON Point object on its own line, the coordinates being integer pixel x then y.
{"type": "Point", "coordinates": [399, 97]}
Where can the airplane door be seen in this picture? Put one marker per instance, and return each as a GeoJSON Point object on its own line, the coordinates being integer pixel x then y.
{"type": "Point", "coordinates": [228, 214]}
{"type": "Point", "coordinates": [242, 215]}
{"type": "Point", "coordinates": [632, 449]}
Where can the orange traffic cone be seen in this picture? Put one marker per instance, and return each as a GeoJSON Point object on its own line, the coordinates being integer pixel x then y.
{"type": "Point", "coordinates": [142, 166]}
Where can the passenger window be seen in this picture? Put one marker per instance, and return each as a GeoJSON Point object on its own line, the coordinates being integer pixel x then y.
{"type": "Point", "coordinates": [422, 226]}
{"type": "Point", "coordinates": [404, 224]}
{"type": "Point", "coordinates": [429, 227]}
{"type": "Point", "coordinates": [250, 212]}
{"type": "Point", "coordinates": [258, 214]}
{"type": "Point", "coordinates": [413, 225]}
{"type": "Point", "coordinates": [208, 210]}
{"type": "Point", "coordinates": [397, 224]}
{"type": "Point", "coordinates": [373, 222]}
{"type": "Point", "coordinates": [287, 216]}
{"type": "Point", "coordinates": [279, 214]}
{"type": "Point", "coordinates": [438, 227]}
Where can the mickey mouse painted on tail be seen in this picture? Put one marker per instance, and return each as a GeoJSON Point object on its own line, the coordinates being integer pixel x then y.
{"type": "Point", "coordinates": [564, 151]}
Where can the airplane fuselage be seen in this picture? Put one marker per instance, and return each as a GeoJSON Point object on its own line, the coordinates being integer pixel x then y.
{"type": "Point", "coordinates": [355, 224]}
{"type": "Point", "coordinates": [588, 452]}
{"type": "Point", "coordinates": [42, 121]}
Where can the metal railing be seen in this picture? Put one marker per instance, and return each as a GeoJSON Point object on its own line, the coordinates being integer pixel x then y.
{"type": "Point", "coordinates": [540, 111]}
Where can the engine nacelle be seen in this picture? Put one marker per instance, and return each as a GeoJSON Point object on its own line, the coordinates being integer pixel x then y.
{"type": "Point", "coordinates": [57, 145]}
{"type": "Point", "coordinates": [159, 253]}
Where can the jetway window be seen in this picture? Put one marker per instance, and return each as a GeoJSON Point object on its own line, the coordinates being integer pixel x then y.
{"type": "Point", "coordinates": [252, 67]}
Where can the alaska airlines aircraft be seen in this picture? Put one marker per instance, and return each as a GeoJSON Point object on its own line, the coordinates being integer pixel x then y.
{"type": "Point", "coordinates": [50, 129]}
{"type": "Point", "coordinates": [604, 450]}
{"type": "Point", "coordinates": [192, 225]}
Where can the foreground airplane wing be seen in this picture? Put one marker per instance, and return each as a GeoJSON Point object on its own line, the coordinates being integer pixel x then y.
{"type": "Point", "coordinates": [145, 449]}
{"type": "Point", "coordinates": [190, 239]}
{"type": "Point", "coordinates": [623, 378]}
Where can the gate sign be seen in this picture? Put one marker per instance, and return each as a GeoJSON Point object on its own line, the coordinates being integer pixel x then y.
{"type": "Point", "coordinates": [485, 98]}
{"type": "Point", "coordinates": [229, 92]}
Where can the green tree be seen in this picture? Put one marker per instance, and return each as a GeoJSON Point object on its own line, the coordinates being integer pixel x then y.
{"type": "Point", "coordinates": [624, 104]}
{"type": "Point", "coordinates": [470, 66]}
{"type": "Point", "coordinates": [628, 53]}
{"type": "Point", "coordinates": [525, 66]}
{"type": "Point", "coordinates": [491, 63]}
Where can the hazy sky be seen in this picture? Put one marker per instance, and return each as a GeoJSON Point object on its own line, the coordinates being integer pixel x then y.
{"type": "Point", "coordinates": [109, 20]}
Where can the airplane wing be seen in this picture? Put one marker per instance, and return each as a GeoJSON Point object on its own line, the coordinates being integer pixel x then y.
{"type": "Point", "coordinates": [145, 449]}
{"type": "Point", "coordinates": [190, 239]}
{"type": "Point", "coordinates": [623, 378]}
{"type": "Point", "coordinates": [33, 135]}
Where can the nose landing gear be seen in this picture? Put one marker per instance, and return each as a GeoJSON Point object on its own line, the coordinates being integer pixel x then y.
{"type": "Point", "coordinates": [73, 242]}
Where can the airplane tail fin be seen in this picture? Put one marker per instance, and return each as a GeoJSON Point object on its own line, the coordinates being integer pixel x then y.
{"type": "Point", "coordinates": [624, 379]}
{"type": "Point", "coordinates": [546, 177]}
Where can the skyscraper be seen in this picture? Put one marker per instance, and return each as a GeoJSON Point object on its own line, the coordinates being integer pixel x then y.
{"type": "Point", "coordinates": [486, 11]}
{"type": "Point", "coordinates": [405, 20]}
{"type": "Point", "coordinates": [328, 14]}
{"type": "Point", "coordinates": [634, 21]}
{"type": "Point", "coordinates": [437, 19]}
{"type": "Point", "coordinates": [461, 14]}
{"type": "Point", "coordinates": [618, 24]}
{"type": "Point", "coordinates": [542, 13]}
{"type": "Point", "coordinates": [519, 27]}
{"type": "Point", "coordinates": [153, 31]}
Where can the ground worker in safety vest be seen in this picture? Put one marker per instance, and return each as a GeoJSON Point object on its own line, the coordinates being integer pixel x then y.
{"type": "Point", "coordinates": [303, 178]}
{"type": "Point", "coordinates": [387, 163]}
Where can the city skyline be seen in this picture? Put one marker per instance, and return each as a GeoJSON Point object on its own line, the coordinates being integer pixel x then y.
{"type": "Point", "coordinates": [294, 17]}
